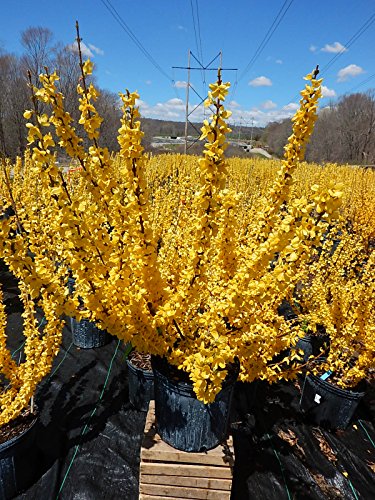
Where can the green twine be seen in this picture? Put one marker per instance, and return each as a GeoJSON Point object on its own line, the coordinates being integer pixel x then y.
{"type": "Point", "coordinates": [367, 434]}
{"type": "Point", "coordinates": [84, 430]}
{"type": "Point", "coordinates": [61, 362]}
{"type": "Point", "coordinates": [281, 466]}
{"type": "Point", "coordinates": [353, 490]}
{"type": "Point", "coordinates": [128, 348]}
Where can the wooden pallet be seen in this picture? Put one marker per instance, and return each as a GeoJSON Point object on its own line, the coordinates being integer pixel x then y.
{"type": "Point", "coordinates": [167, 473]}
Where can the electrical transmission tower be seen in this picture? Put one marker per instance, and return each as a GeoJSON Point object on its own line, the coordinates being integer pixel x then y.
{"type": "Point", "coordinates": [201, 68]}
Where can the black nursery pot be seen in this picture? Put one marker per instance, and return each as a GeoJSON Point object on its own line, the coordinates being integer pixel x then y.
{"type": "Point", "coordinates": [306, 345]}
{"type": "Point", "coordinates": [17, 463]}
{"type": "Point", "coordinates": [182, 420]}
{"type": "Point", "coordinates": [311, 345]}
{"type": "Point", "coordinates": [328, 405]}
{"type": "Point", "coordinates": [141, 386]}
{"type": "Point", "coordinates": [87, 335]}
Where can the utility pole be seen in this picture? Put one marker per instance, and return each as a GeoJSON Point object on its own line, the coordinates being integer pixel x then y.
{"type": "Point", "coordinates": [187, 104]}
{"type": "Point", "coordinates": [239, 131]}
{"type": "Point", "coordinates": [251, 136]}
{"type": "Point", "coordinates": [189, 86]}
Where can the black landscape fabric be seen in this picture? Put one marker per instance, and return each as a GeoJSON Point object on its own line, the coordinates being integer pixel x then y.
{"type": "Point", "coordinates": [89, 437]}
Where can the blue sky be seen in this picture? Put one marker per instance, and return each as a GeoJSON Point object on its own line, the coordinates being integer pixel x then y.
{"type": "Point", "coordinates": [308, 33]}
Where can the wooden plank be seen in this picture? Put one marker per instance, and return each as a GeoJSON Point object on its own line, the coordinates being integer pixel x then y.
{"type": "Point", "coordinates": [169, 454]}
{"type": "Point", "coordinates": [184, 493]}
{"type": "Point", "coordinates": [167, 473]}
{"type": "Point", "coordinates": [187, 470]}
{"type": "Point", "coordinates": [193, 482]}
{"type": "Point", "coordinates": [143, 496]}
{"type": "Point", "coordinates": [152, 497]}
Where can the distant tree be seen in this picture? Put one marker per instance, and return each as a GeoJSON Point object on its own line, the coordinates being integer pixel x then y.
{"type": "Point", "coordinates": [345, 132]}
{"type": "Point", "coordinates": [14, 99]}
{"type": "Point", "coordinates": [276, 134]}
{"type": "Point", "coordinates": [325, 145]}
{"type": "Point", "coordinates": [356, 113]}
{"type": "Point", "coordinates": [108, 106]}
{"type": "Point", "coordinates": [37, 43]}
{"type": "Point", "coordinates": [66, 63]}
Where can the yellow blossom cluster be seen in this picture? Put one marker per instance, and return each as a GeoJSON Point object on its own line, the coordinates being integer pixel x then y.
{"type": "Point", "coordinates": [40, 348]}
{"type": "Point", "coordinates": [339, 296]}
{"type": "Point", "coordinates": [186, 268]}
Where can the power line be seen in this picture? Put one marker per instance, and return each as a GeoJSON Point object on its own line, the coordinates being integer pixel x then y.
{"type": "Point", "coordinates": [368, 79]}
{"type": "Point", "coordinates": [271, 30]}
{"type": "Point", "coordinates": [133, 37]}
{"type": "Point", "coordinates": [198, 40]}
{"type": "Point", "coordinates": [350, 42]}
{"type": "Point", "coordinates": [199, 30]}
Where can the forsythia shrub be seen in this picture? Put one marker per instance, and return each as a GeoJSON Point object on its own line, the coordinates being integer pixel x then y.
{"type": "Point", "coordinates": [198, 281]}
{"type": "Point", "coordinates": [339, 295]}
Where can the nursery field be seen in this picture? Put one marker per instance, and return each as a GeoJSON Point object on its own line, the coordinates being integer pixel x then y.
{"type": "Point", "coordinates": [89, 437]}
{"type": "Point", "coordinates": [254, 277]}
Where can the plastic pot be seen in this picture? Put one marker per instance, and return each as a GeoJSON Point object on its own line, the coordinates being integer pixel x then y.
{"type": "Point", "coordinates": [17, 465]}
{"type": "Point", "coordinates": [306, 344]}
{"type": "Point", "coordinates": [141, 386]}
{"type": "Point", "coordinates": [326, 404]}
{"type": "Point", "coordinates": [182, 420]}
{"type": "Point", "coordinates": [87, 335]}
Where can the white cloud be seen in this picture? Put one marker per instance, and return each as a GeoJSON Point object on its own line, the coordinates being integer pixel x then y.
{"type": "Point", "coordinates": [292, 106]}
{"type": "Point", "coordinates": [234, 104]}
{"type": "Point", "coordinates": [259, 117]}
{"type": "Point", "coordinates": [180, 84]}
{"type": "Point", "coordinates": [278, 61]}
{"type": "Point", "coordinates": [148, 82]}
{"type": "Point", "coordinates": [261, 81]}
{"type": "Point", "coordinates": [86, 52]}
{"type": "Point", "coordinates": [269, 104]}
{"type": "Point", "coordinates": [173, 109]}
{"type": "Point", "coordinates": [334, 48]}
{"type": "Point", "coordinates": [326, 92]}
{"type": "Point", "coordinates": [181, 28]}
{"type": "Point", "coordinates": [349, 72]}
{"type": "Point", "coordinates": [98, 51]}
{"type": "Point", "coordinates": [313, 48]}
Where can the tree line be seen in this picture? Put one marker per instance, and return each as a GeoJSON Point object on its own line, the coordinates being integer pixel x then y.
{"type": "Point", "coordinates": [344, 132]}
{"type": "Point", "coordinates": [40, 51]}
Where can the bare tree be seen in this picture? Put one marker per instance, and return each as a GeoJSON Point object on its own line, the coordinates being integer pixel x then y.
{"type": "Point", "coordinates": [345, 132]}
{"type": "Point", "coordinates": [67, 65]}
{"type": "Point", "coordinates": [13, 101]}
{"type": "Point", "coordinates": [276, 135]}
{"type": "Point", "coordinates": [108, 106]}
{"type": "Point", "coordinates": [37, 42]}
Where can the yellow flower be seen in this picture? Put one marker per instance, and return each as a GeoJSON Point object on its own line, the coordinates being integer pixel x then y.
{"type": "Point", "coordinates": [88, 67]}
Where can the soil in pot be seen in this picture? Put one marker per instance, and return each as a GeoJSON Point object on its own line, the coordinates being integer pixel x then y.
{"type": "Point", "coordinates": [17, 461]}
{"type": "Point", "coordinates": [141, 380]}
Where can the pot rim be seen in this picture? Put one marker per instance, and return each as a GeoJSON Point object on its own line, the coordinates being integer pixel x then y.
{"type": "Point", "coordinates": [19, 437]}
